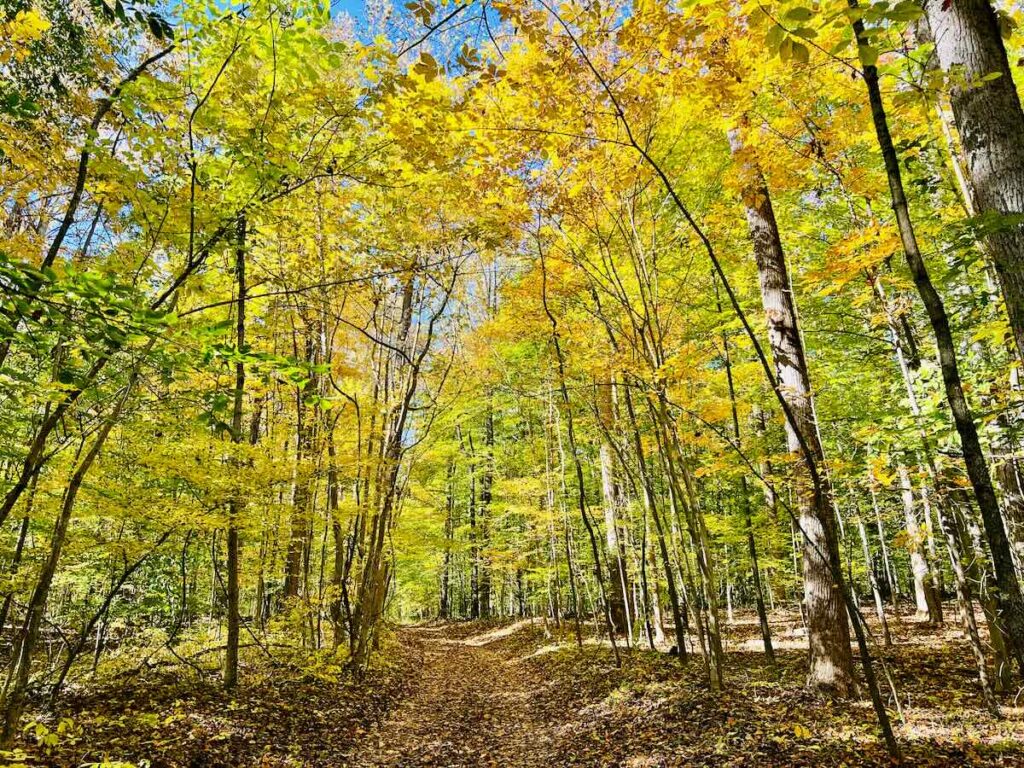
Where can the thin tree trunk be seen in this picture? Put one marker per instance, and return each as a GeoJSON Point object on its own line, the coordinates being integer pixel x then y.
{"type": "Point", "coordinates": [483, 522]}
{"type": "Point", "coordinates": [574, 592]}
{"type": "Point", "coordinates": [762, 614]}
{"type": "Point", "coordinates": [19, 669]}
{"type": "Point", "coordinates": [963, 594]}
{"type": "Point", "coordinates": [19, 550]}
{"type": "Point", "coordinates": [581, 489]}
{"type": "Point", "coordinates": [444, 610]}
{"type": "Point", "coordinates": [100, 614]}
{"type": "Point", "coordinates": [876, 593]}
{"type": "Point", "coordinates": [611, 495]}
{"type": "Point", "coordinates": [1011, 601]}
{"type": "Point", "coordinates": [237, 503]}
{"type": "Point", "coordinates": [679, 625]}
{"type": "Point", "coordinates": [890, 569]}
{"type": "Point", "coordinates": [299, 538]}
{"type": "Point", "coordinates": [926, 595]}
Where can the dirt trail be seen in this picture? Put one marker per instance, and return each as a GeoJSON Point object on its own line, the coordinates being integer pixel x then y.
{"type": "Point", "coordinates": [471, 707]}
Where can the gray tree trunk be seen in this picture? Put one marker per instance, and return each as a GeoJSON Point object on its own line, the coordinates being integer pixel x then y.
{"type": "Point", "coordinates": [926, 595]}
{"type": "Point", "coordinates": [989, 119]}
{"type": "Point", "coordinates": [618, 596]}
{"type": "Point", "coordinates": [831, 662]}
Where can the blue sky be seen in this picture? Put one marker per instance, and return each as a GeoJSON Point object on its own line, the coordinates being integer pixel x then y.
{"type": "Point", "coordinates": [351, 7]}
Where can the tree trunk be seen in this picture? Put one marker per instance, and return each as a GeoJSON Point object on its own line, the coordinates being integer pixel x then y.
{"type": "Point", "coordinates": [976, 566]}
{"type": "Point", "coordinates": [19, 550]}
{"type": "Point", "coordinates": [611, 495]}
{"type": "Point", "coordinates": [474, 547]}
{"type": "Point", "coordinates": [762, 614]}
{"type": "Point", "coordinates": [299, 538]}
{"type": "Point", "coordinates": [237, 503]}
{"type": "Point", "coordinates": [483, 521]}
{"type": "Point", "coordinates": [581, 495]}
{"type": "Point", "coordinates": [831, 662]}
{"type": "Point", "coordinates": [989, 119]}
{"type": "Point", "coordinates": [652, 504]}
{"type": "Point", "coordinates": [890, 569]}
{"type": "Point", "coordinates": [445, 609]}
{"type": "Point", "coordinates": [954, 540]}
{"type": "Point", "coordinates": [684, 498]}
{"type": "Point", "coordinates": [20, 666]}
{"type": "Point", "coordinates": [101, 613]}
{"type": "Point", "coordinates": [1008, 475]}
{"type": "Point", "coordinates": [875, 591]}
{"type": "Point", "coordinates": [926, 595]}
{"type": "Point", "coordinates": [1010, 600]}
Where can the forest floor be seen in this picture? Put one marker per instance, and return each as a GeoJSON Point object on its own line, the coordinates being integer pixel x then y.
{"type": "Point", "coordinates": [523, 696]}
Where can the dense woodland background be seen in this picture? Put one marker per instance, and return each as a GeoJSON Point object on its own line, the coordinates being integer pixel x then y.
{"type": "Point", "coordinates": [667, 326]}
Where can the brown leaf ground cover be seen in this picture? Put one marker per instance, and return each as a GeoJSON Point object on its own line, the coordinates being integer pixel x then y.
{"type": "Point", "coordinates": [284, 715]}
{"type": "Point", "coordinates": [524, 696]}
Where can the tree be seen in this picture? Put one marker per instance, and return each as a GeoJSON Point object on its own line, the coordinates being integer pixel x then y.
{"type": "Point", "coordinates": [969, 47]}
{"type": "Point", "coordinates": [831, 666]}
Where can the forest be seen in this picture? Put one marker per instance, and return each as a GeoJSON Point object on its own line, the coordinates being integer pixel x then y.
{"type": "Point", "coordinates": [517, 383]}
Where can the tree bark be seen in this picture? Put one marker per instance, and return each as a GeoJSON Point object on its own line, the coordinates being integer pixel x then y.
{"type": "Point", "coordinates": [299, 538]}
{"type": "Point", "coordinates": [954, 539]}
{"type": "Point", "coordinates": [100, 614]}
{"type": "Point", "coordinates": [19, 550]}
{"type": "Point", "coordinates": [444, 609]}
{"type": "Point", "coordinates": [989, 119]}
{"type": "Point", "coordinates": [1010, 600]}
{"type": "Point", "coordinates": [237, 503]}
{"type": "Point", "coordinates": [612, 497]}
{"type": "Point", "coordinates": [831, 662]}
{"type": "Point", "coordinates": [926, 595]}
{"type": "Point", "coordinates": [483, 521]}
{"type": "Point", "coordinates": [679, 625]}
{"type": "Point", "coordinates": [875, 591]}
{"type": "Point", "coordinates": [20, 666]}
{"type": "Point", "coordinates": [755, 573]}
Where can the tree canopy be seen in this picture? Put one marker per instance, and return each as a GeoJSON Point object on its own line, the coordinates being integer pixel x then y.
{"type": "Point", "coordinates": [642, 321]}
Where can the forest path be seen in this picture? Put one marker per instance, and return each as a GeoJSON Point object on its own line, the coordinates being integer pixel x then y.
{"type": "Point", "coordinates": [470, 707]}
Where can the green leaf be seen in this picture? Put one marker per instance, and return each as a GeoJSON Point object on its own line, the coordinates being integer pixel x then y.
{"type": "Point", "coordinates": [786, 49]}
{"type": "Point", "coordinates": [868, 55]}
{"type": "Point", "coordinates": [905, 11]}
{"type": "Point", "coordinates": [774, 37]}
